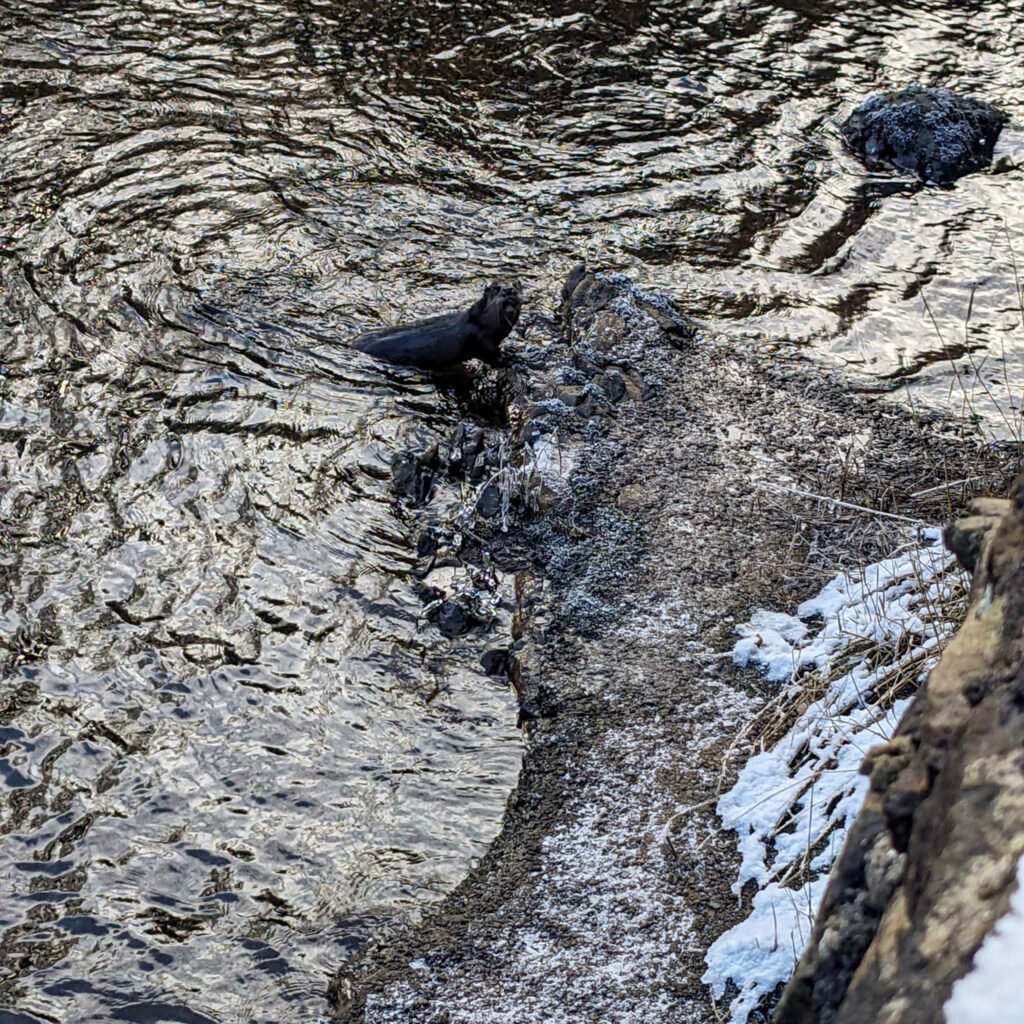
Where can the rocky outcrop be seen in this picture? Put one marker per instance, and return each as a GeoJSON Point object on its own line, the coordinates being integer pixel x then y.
{"type": "Point", "coordinates": [932, 133]}
{"type": "Point", "coordinates": [930, 864]}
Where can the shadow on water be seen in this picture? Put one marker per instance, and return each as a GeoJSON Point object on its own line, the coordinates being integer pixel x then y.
{"type": "Point", "coordinates": [230, 747]}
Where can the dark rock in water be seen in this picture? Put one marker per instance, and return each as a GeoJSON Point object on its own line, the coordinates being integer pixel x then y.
{"type": "Point", "coordinates": [932, 133]}
{"type": "Point", "coordinates": [465, 459]}
{"type": "Point", "coordinates": [473, 453]}
{"type": "Point", "coordinates": [453, 620]}
{"type": "Point", "coordinates": [488, 505]}
{"type": "Point", "coordinates": [426, 543]}
{"type": "Point", "coordinates": [428, 594]}
{"type": "Point", "coordinates": [412, 476]}
{"type": "Point", "coordinates": [443, 341]}
{"type": "Point", "coordinates": [495, 662]}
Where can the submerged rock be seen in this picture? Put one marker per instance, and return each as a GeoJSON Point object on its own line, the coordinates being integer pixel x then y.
{"type": "Point", "coordinates": [488, 504]}
{"type": "Point", "coordinates": [453, 619]}
{"type": "Point", "coordinates": [932, 133]}
{"type": "Point", "coordinates": [496, 661]}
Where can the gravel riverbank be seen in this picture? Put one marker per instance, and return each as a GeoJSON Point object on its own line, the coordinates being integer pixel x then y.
{"type": "Point", "coordinates": [678, 503]}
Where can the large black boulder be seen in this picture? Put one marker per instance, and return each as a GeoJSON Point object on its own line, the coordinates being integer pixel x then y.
{"type": "Point", "coordinates": [932, 133]}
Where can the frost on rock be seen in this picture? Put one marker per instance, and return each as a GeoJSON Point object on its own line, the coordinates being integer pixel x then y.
{"type": "Point", "coordinates": [550, 463]}
{"type": "Point", "coordinates": [991, 990]}
{"type": "Point", "coordinates": [642, 319]}
{"type": "Point", "coordinates": [932, 133]}
{"type": "Point", "coordinates": [792, 803]}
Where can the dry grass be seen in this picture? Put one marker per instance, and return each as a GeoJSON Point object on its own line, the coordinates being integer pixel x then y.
{"type": "Point", "coordinates": [902, 663]}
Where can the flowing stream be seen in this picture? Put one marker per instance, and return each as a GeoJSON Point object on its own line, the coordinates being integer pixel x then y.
{"type": "Point", "coordinates": [231, 748]}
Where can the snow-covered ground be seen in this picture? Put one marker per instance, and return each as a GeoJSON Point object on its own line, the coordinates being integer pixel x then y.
{"type": "Point", "coordinates": [852, 645]}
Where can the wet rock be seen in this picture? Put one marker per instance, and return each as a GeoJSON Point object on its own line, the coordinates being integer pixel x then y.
{"type": "Point", "coordinates": [586, 290]}
{"type": "Point", "coordinates": [426, 593]}
{"type": "Point", "coordinates": [931, 860]}
{"type": "Point", "coordinates": [426, 552]}
{"type": "Point", "coordinates": [426, 544]}
{"type": "Point", "coordinates": [435, 549]}
{"type": "Point", "coordinates": [453, 620]}
{"type": "Point", "coordinates": [932, 133]}
{"type": "Point", "coordinates": [585, 365]}
{"type": "Point", "coordinates": [451, 616]}
{"type": "Point", "coordinates": [495, 662]}
{"type": "Point", "coordinates": [465, 452]}
{"type": "Point", "coordinates": [488, 504]}
{"type": "Point", "coordinates": [474, 453]}
{"type": "Point", "coordinates": [488, 394]}
{"type": "Point", "coordinates": [412, 475]}
{"type": "Point", "coordinates": [574, 279]}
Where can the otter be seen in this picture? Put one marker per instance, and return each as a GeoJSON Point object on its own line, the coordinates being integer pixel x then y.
{"type": "Point", "coordinates": [451, 338]}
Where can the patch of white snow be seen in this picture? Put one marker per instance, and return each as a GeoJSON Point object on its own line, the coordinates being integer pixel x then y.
{"type": "Point", "coordinates": [990, 993]}
{"type": "Point", "coordinates": [791, 805]}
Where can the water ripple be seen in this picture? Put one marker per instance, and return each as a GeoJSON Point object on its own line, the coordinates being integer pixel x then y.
{"type": "Point", "coordinates": [230, 747]}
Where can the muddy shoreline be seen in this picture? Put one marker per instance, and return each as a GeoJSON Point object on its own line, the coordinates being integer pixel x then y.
{"type": "Point", "coordinates": [678, 505]}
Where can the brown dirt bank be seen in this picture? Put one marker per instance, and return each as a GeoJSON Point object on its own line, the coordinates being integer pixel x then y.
{"type": "Point", "coordinates": [668, 466]}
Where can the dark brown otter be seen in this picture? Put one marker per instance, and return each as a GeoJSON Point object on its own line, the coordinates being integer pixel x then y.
{"type": "Point", "coordinates": [451, 338]}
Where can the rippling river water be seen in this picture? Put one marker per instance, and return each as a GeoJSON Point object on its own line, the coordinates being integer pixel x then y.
{"type": "Point", "coordinates": [230, 748]}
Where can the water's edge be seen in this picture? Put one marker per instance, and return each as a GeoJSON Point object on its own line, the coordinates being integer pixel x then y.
{"type": "Point", "coordinates": [611, 876]}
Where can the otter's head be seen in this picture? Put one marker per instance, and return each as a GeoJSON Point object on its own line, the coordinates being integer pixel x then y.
{"type": "Point", "coordinates": [497, 311]}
